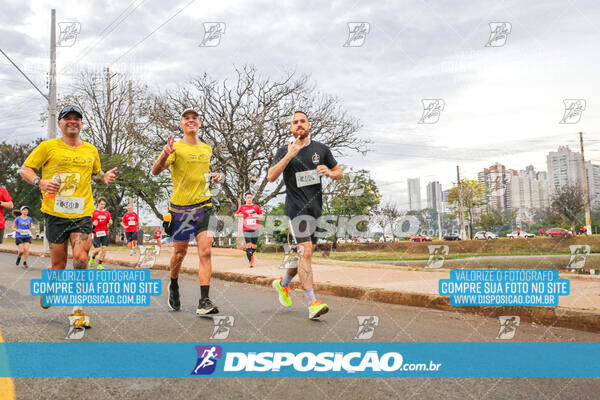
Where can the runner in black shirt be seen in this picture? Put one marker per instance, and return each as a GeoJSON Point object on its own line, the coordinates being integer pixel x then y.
{"type": "Point", "coordinates": [303, 162]}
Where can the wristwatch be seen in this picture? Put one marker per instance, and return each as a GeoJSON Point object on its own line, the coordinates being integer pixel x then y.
{"type": "Point", "coordinates": [36, 182]}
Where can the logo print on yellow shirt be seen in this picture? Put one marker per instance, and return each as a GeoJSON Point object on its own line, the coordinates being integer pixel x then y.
{"type": "Point", "coordinates": [69, 183]}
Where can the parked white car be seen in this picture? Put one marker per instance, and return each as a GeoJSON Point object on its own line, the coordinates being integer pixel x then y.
{"type": "Point", "coordinates": [11, 235]}
{"type": "Point", "coordinates": [485, 235]}
{"type": "Point", "coordinates": [514, 235]}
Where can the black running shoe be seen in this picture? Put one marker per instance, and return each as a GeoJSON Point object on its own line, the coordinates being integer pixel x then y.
{"type": "Point", "coordinates": [205, 306]}
{"type": "Point", "coordinates": [174, 303]}
{"type": "Point", "coordinates": [25, 266]}
{"type": "Point", "coordinates": [18, 260]}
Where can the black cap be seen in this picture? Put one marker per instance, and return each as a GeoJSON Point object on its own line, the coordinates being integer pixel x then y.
{"type": "Point", "coordinates": [70, 109]}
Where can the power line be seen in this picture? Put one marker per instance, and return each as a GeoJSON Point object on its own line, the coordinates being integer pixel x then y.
{"type": "Point", "coordinates": [104, 35]}
{"type": "Point", "coordinates": [154, 31]}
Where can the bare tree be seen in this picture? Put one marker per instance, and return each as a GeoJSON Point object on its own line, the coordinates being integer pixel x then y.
{"type": "Point", "coordinates": [388, 216]}
{"type": "Point", "coordinates": [117, 118]}
{"type": "Point", "coordinates": [567, 202]}
{"type": "Point", "coordinates": [246, 120]}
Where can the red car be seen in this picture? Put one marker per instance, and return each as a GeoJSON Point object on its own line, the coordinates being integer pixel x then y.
{"type": "Point", "coordinates": [558, 232]}
{"type": "Point", "coordinates": [420, 238]}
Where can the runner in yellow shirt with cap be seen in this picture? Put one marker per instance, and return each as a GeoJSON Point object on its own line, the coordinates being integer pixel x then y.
{"type": "Point", "coordinates": [68, 166]}
{"type": "Point", "coordinates": [190, 205]}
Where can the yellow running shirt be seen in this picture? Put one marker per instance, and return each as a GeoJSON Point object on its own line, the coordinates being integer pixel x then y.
{"type": "Point", "coordinates": [189, 171]}
{"type": "Point", "coordinates": [76, 165]}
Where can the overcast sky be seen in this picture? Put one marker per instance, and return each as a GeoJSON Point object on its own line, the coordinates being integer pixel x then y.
{"type": "Point", "coordinates": [501, 103]}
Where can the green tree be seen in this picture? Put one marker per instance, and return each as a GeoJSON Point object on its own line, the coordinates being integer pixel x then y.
{"type": "Point", "coordinates": [492, 219]}
{"type": "Point", "coordinates": [354, 195]}
{"type": "Point", "coordinates": [473, 197]}
{"type": "Point", "coordinates": [12, 156]}
{"type": "Point", "coordinates": [282, 235]}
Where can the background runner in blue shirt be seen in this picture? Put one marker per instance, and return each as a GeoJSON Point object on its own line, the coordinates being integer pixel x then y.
{"type": "Point", "coordinates": [22, 228]}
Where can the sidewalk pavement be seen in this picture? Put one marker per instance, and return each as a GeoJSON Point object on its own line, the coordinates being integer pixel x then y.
{"type": "Point", "coordinates": [389, 284]}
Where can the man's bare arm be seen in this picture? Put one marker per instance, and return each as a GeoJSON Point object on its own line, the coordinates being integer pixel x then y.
{"type": "Point", "coordinates": [278, 168]}
{"type": "Point", "coordinates": [29, 175]}
{"type": "Point", "coordinates": [336, 173]}
{"type": "Point", "coordinates": [106, 177]}
{"type": "Point", "coordinates": [160, 164]}
{"type": "Point", "coordinates": [8, 205]}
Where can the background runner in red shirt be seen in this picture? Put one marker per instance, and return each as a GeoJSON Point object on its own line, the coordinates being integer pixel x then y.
{"type": "Point", "coordinates": [5, 203]}
{"type": "Point", "coordinates": [101, 220]}
{"type": "Point", "coordinates": [130, 222]}
{"type": "Point", "coordinates": [158, 235]}
{"type": "Point", "coordinates": [251, 213]}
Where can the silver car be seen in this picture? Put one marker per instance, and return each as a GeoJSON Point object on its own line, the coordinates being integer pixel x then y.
{"type": "Point", "coordinates": [514, 235]}
{"type": "Point", "coordinates": [485, 235]}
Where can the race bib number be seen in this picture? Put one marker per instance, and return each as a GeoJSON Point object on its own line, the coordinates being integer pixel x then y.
{"type": "Point", "coordinates": [25, 232]}
{"type": "Point", "coordinates": [69, 205]}
{"type": "Point", "coordinates": [131, 223]}
{"type": "Point", "coordinates": [100, 233]}
{"type": "Point", "coordinates": [307, 178]}
{"type": "Point", "coordinates": [251, 221]}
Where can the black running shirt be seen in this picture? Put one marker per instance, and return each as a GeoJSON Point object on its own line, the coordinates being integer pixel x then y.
{"type": "Point", "coordinates": [304, 194]}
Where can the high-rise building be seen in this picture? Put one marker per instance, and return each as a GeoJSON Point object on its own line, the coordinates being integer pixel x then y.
{"type": "Point", "coordinates": [496, 179]}
{"type": "Point", "coordinates": [414, 194]}
{"type": "Point", "coordinates": [434, 196]}
{"type": "Point", "coordinates": [564, 168]}
{"type": "Point", "coordinates": [593, 172]}
{"type": "Point", "coordinates": [528, 191]}
{"type": "Point", "coordinates": [445, 206]}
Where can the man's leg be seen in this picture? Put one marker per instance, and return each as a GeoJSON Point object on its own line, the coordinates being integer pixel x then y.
{"type": "Point", "coordinates": [204, 242]}
{"type": "Point", "coordinates": [80, 244]}
{"type": "Point", "coordinates": [179, 252]}
{"type": "Point", "coordinates": [58, 255]}
{"type": "Point", "coordinates": [1, 235]}
{"type": "Point", "coordinates": [94, 252]}
{"type": "Point", "coordinates": [102, 254]}
{"type": "Point", "coordinates": [305, 251]}
{"type": "Point", "coordinates": [204, 254]}
{"type": "Point", "coordinates": [315, 307]}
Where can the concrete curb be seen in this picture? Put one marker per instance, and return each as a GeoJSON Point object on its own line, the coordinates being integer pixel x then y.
{"type": "Point", "coordinates": [585, 320]}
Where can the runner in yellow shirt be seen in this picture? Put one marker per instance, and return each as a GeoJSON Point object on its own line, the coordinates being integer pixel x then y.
{"type": "Point", "coordinates": [68, 166]}
{"type": "Point", "coordinates": [190, 205]}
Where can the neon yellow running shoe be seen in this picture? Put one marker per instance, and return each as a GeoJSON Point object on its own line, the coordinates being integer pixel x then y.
{"type": "Point", "coordinates": [99, 266]}
{"type": "Point", "coordinates": [91, 262]}
{"type": "Point", "coordinates": [79, 320]}
{"type": "Point", "coordinates": [284, 296]}
{"type": "Point", "coordinates": [317, 309]}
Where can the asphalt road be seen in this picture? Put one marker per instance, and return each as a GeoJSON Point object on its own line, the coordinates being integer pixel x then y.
{"type": "Point", "coordinates": [258, 317]}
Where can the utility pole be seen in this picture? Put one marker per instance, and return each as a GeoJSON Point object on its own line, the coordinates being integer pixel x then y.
{"type": "Point", "coordinates": [52, 79]}
{"type": "Point", "coordinates": [51, 96]}
{"type": "Point", "coordinates": [586, 191]}
{"type": "Point", "coordinates": [460, 205]}
{"type": "Point", "coordinates": [108, 104]}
